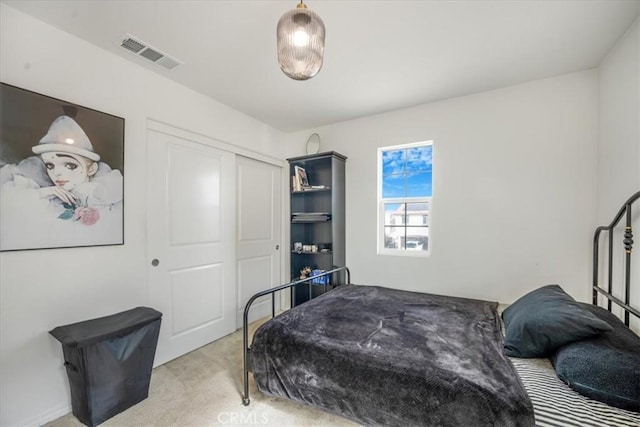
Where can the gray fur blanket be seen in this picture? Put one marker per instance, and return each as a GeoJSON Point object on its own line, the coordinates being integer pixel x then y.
{"type": "Point", "coordinates": [381, 356]}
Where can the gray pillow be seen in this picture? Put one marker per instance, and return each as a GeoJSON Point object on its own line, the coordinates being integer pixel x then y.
{"type": "Point", "coordinates": [604, 368]}
{"type": "Point", "coordinates": [544, 319]}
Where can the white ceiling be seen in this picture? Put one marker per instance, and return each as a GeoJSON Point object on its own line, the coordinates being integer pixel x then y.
{"type": "Point", "coordinates": [379, 56]}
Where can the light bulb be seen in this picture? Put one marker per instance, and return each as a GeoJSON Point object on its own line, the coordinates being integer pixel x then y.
{"type": "Point", "coordinates": [301, 38]}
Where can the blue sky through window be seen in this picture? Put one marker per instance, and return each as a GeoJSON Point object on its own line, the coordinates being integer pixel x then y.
{"type": "Point", "coordinates": [407, 172]}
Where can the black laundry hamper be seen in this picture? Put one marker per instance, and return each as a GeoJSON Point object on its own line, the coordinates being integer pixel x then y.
{"type": "Point", "coordinates": [109, 362]}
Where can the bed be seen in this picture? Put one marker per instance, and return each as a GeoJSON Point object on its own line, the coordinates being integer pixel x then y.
{"type": "Point", "coordinates": [382, 356]}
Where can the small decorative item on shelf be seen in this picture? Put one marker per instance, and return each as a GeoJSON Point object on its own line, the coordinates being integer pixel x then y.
{"type": "Point", "coordinates": [306, 271]}
{"type": "Point", "coordinates": [324, 247]}
{"type": "Point", "coordinates": [324, 280]}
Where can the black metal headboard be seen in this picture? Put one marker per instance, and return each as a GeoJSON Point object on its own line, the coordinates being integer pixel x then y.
{"type": "Point", "coordinates": [625, 210]}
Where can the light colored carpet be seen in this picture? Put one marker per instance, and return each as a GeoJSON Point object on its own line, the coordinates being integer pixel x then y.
{"type": "Point", "coordinates": [204, 388]}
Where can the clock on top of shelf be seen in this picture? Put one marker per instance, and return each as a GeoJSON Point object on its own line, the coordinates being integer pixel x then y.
{"type": "Point", "coordinates": [313, 144]}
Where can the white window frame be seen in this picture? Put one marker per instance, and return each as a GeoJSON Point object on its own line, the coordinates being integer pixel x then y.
{"type": "Point", "coordinates": [381, 202]}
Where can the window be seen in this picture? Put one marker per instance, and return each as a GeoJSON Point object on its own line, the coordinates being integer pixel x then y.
{"type": "Point", "coordinates": [404, 198]}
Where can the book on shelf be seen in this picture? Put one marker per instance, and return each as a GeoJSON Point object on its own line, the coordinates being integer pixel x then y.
{"type": "Point", "coordinates": [310, 216]}
{"type": "Point", "coordinates": [295, 184]}
{"type": "Point", "coordinates": [313, 188]}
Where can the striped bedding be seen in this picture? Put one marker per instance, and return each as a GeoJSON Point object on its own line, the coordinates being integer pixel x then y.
{"type": "Point", "coordinates": [556, 405]}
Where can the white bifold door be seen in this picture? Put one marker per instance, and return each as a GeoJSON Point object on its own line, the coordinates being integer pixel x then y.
{"type": "Point", "coordinates": [191, 241]}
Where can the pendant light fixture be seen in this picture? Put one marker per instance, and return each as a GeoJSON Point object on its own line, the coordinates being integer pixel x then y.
{"type": "Point", "coordinates": [300, 36]}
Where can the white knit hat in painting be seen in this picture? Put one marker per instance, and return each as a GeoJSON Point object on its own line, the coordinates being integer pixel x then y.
{"type": "Point", "coordinates": [65, 135]}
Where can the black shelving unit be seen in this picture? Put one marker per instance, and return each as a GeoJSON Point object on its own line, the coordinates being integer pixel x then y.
{"type": "Point", "coordinates": [317, 219]}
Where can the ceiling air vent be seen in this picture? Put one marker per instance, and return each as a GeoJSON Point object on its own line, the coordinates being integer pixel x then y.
{"type": "Point", "coordinates": [131, 44]}
{"type": "Point", "coordinates": [143, 49]}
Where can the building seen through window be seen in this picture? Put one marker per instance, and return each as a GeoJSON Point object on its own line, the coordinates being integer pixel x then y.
{"type": "Point", "coordinates": [404, 198]}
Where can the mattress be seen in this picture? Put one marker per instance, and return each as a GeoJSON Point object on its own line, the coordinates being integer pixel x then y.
{"type": "Point", "coordinates": [557, 405]}
{"type": "Point", "coordinates": [382, 356]}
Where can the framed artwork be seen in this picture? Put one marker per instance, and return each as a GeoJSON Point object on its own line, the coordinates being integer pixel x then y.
{"type": "Point", "coordinates": [61, 173]}
{"type": "Point", "coordinates": [301, 176]}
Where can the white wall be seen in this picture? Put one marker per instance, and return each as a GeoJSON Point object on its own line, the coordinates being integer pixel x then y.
{"type": "Point", "coordinates": [514, 189]}
{"type": "Point", "coordinates": [619, 142]}
{"type": "Point", "coordinates": [619, 124]}
{"type": "Point", "coordinates": [42, 289]}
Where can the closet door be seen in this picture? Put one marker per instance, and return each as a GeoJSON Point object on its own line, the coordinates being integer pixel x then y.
{"type": "Point", "coordinates": [191, 241]}
{"type": "Point", "coordinates": [258, 244]}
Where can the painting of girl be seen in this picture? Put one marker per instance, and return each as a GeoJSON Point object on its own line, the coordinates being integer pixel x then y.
{"type": "Point", "coordinates": [64, 194]}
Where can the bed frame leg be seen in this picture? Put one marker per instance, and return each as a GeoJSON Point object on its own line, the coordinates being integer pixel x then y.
{"type": "Point", "coordinates": [245, 353]}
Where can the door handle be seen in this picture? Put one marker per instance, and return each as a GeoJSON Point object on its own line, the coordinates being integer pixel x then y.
{"type": "Point", "coordinates": [155, 262]}
{"type": "Point", "coordinates": [277, 247]}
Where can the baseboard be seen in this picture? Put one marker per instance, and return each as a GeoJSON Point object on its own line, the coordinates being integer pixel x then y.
{"type": "Point", "coordinates": [46, 417]}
